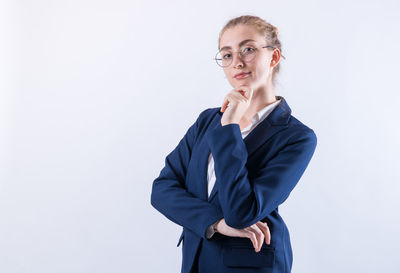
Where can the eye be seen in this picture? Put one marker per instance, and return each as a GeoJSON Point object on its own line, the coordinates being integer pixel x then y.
{"type": "Point", "coordinates": [225, 56]}
{"type": "Point", "coordinates": [251, 49]}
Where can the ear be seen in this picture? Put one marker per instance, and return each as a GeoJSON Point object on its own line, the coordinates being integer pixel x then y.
{"type": "Point", "coordinates": [276, 56]}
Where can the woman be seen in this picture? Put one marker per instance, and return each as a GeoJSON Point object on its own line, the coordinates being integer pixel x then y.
{"type": "Point", "coordinates": [237, 163]}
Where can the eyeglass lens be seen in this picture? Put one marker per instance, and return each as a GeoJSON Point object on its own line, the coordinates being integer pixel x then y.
{"type": "Point", "coordinates": [224, 58]}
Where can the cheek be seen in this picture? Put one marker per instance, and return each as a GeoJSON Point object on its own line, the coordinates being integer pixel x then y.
{"type": "Point", "coordinates": [260, 73]}
{"type": "Point", "coordinates": [262, 70]}
{"type": "Point", "coordinates": [227, 73]}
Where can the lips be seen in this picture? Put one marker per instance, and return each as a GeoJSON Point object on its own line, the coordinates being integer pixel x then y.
{"type": "Point", "coordinates": [241, 75]}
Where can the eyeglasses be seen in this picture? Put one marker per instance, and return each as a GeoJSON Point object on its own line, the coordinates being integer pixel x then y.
{"type": "Point", "coordinates": [246, 53]}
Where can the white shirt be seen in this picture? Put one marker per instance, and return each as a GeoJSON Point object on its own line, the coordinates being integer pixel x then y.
{"type": "Point", "coordinates": [257, 118]}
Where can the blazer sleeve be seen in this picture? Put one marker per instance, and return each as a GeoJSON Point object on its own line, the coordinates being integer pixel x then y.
{"type": "Point", "coordinates": [245, 202]}
{"type": "Point", "coordinates": [170, 196]}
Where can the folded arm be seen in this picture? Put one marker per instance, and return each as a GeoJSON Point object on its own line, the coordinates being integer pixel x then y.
{"type": "Point", "coordinates": [246, 202]}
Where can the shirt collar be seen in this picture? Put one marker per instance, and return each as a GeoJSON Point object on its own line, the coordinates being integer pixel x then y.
{"type": "Point", "coordinates": [262, 114]}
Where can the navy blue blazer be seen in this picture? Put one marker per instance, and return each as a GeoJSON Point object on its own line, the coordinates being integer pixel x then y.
{"type": "Point", "coordinates": [254, 176]}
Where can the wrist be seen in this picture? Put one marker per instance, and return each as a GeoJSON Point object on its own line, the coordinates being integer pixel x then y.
{"type": "Point", "coordinates": [215, 226]}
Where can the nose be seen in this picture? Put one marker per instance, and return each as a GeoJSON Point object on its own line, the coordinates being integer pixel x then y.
{"type": "Point", "coordinates": [237, 60]}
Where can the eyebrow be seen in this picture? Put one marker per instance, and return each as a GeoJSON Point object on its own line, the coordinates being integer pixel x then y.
{"type": "Point", "coordinates": [240, 44]}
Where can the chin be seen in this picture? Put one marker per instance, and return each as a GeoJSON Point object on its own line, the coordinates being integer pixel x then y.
{"type": "Point", "coordinates": [248, 83]}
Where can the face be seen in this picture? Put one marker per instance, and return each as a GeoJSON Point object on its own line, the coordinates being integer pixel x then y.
{"type": "Point", "coordinates": [260, 67]}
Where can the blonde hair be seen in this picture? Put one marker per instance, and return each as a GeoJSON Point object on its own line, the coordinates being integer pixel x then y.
{"type": "Point", "coordinates": [265, 29]}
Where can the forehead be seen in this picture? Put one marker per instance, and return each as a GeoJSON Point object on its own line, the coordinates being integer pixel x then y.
{"type": "Point", "coordinates": [236, 36]}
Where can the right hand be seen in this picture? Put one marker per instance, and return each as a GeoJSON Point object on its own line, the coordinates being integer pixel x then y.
{"type": "Point", "coordinates": [256, 233]}
{"type": "Point", "coordinates": [239, 100]}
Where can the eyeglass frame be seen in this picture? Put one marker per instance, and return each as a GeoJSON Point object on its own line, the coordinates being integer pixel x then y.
{"type": "Point", "coordinates": [240, 55]}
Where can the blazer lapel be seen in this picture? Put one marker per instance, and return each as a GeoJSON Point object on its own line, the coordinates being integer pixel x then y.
{"type": "Point", "coordinates": [276, 121]}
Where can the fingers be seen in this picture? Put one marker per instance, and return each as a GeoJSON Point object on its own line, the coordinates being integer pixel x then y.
{"type": "Point", "coordinates": [230, 98]}
{"type": "Point", "coordinates": [252, 236]}
{"type": "Point", "coordinates": [238, 96]}
{"type": "Point", "coordinates": [224, 104]}
{"type": "Point", "coordinates": [264, 227]}
{"type": "Point", "coordinates": [246, 91]}
{"type": "Point", "coordinates": [243, 93]}
{"type": "Point", "coordinates": [259, 236]}
{"type": "Point", "coordinates": [256, 233]}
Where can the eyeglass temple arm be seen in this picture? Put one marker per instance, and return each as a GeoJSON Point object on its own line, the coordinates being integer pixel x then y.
{"type": "Point", "coordinates": [274, 47]}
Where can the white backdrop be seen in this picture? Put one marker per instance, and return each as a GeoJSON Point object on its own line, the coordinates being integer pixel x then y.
{"type": "Point", "coordinates": [95, 94]}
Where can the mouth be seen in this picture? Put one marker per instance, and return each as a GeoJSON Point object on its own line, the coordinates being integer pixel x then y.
{"type": "Point", "coordinates": [242, 75]}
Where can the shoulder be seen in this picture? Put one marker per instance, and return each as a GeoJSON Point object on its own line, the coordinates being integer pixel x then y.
{"type": "Point", "coordinates": [297, 131]}
{"type": "Point", "coordinates": [210, 112]}
{"type": "Point", "coordinates": [206, 116]}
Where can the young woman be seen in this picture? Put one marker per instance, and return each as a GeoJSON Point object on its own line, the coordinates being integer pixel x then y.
{"type": "Point", "coordinates": [237, 163]}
